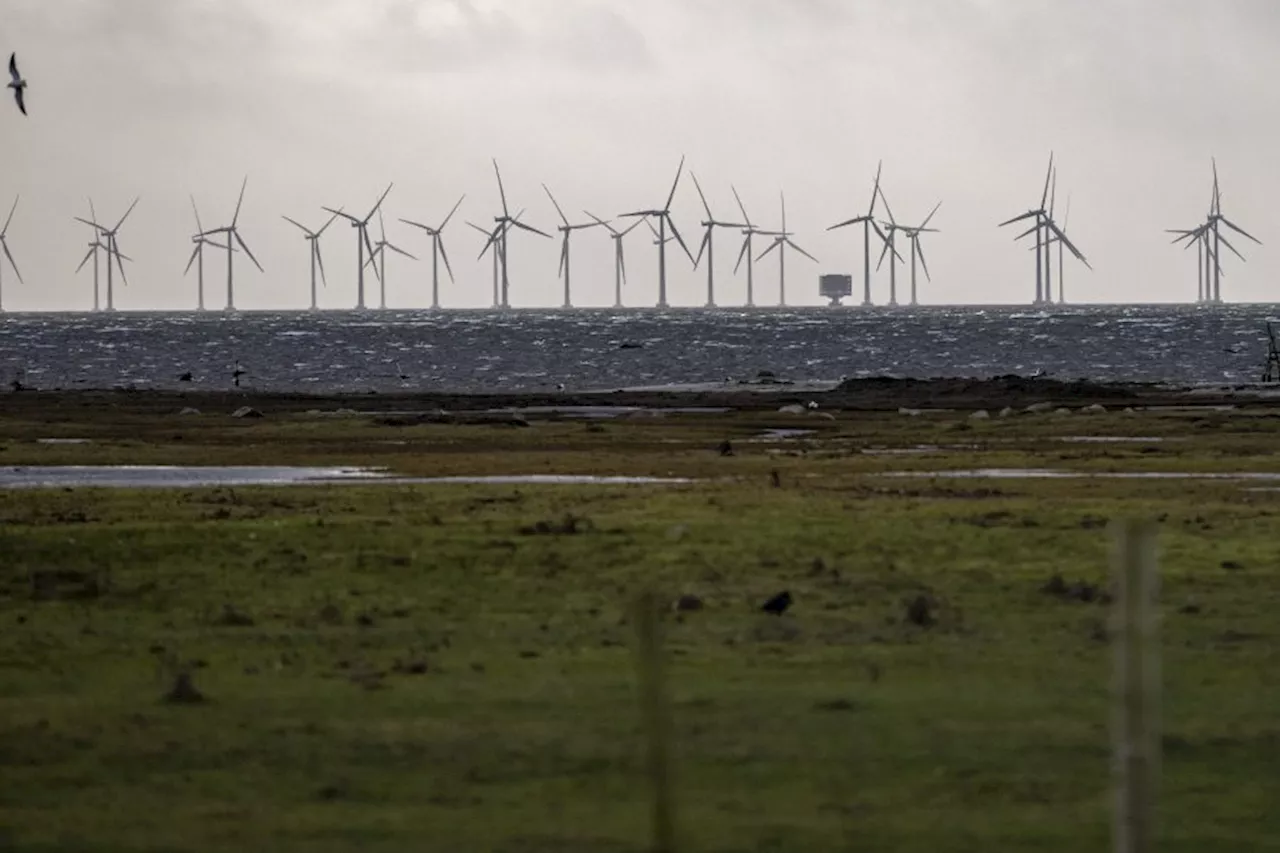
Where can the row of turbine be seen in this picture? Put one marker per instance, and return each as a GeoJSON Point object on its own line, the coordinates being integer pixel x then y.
{"type": "Point", "coordinates": [370, 253]}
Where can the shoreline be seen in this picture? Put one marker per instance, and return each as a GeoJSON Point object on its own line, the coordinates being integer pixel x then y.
{"type": "Point", "coordinates": [870, 394]}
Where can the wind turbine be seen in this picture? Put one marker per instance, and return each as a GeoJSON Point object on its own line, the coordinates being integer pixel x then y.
{"type": "Point", "coordinates": [664, 220]}
{"type": "Point", "coordinates": [869, 224]}
{"type": "Point", "coordinates": [233, 236]}
{"type": "Point", "coordinates": [504, 224]}
{"type": "Point", "coordinates": [891, 248]}
{"type": "Point", "coordinates": [378, 260]}
{"type": "Point", "coordinates": [565, 230]}
{"type": "Point", "coordinates": [1042, 221]}
{"type": "Point", "coordinates": [113, 249]}
{"type": "Point", "coordinates": [197, 256]}
{"type": "Point", "coordinates": [1047, 233]}
{"type": "Point", "coordinates": [5, 245]}
{"type": "Point", "coordinates": [362, 242]}
{"type": "Point", "coordinates": [619, 259]}
{"type": "Point", "coordinates": [748, 232]}
{"type": "Point", "coordinates": [913, 237]}
{"type": "Point", "coordinates": [708, 245]}
{"type": "Point", "coordinates": [313, 238]}
{"type": "Point", "coordinates": [495, 242]}
{"type": "Point", "coordinates": [1214, 239]}
{"type": "Point", "coordinates": [437, 251]}
{"type": "Point", "coordinates": [781, 242]}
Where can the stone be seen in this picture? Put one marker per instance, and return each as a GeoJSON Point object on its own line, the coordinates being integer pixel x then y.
{"type": "Point", "coordinates": [1038, 408]}
{"type": "Point", "coordinates": [246, 412]}
{"type": "Point", "coordinates": [980, 415]}
{"type": "Point", "coordinates": [793, 409]}
{"type": "Point", "coordinates": [189, 411]}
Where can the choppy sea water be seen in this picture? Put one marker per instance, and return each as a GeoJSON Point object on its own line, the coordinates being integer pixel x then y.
{"type": "Point", "coordinates": [600, 349]}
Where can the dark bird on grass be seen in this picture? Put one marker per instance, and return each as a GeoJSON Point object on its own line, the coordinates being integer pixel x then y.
{"type": "Point", "coordinates": [237, 373]}
{"type": "Point", "coordinates": [18, 85]}
{"type": "Point", "coordinates": [186, 377]}
{"type": "Point", "coordinates": [778, 604]}
{"type": "Point", "coordinates": [726, 449]}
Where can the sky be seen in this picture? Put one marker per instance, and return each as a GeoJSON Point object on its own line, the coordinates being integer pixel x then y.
{"type": "Point", "coordinates": [326, 102]}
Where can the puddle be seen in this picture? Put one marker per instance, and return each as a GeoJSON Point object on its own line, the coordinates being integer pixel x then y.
{"type": "Point", "coordinates": [1045, 473]}
{"type": "Point", "coordinates": [605, 412]}
{"type": "Point", "coordinates": [185, 477]}
{"type": "Point", "coordinates": [779, 435]}
{"type": "Point", "coordinates": [551, 480]}
{"type": "Point", "coordinates": [1092, 439]}
{"type": "Point", "coordinates": [64, 441]}
{"type": "Point", "coordinates": [172, 476]}
{"type": "Point", "coordinates": [919, 448]}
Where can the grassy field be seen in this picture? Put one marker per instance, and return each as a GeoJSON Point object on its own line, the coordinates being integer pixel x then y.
{"type": "Point", "coordinates": [383, 668]}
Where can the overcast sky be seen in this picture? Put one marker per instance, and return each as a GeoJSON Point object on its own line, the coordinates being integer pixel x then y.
{"type": "Point", "coordinates": [323, 102]}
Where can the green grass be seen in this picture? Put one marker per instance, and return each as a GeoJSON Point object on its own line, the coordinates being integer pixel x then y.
{"type": "Point", "coordinates": [392, 668]}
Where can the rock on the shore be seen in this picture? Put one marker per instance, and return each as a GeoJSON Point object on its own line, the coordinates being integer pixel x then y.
{"type": "Point", "coordinates": [792, 409]}
{"type": "Point", "coordinates": [980, 415]}
{"type": "Point", "coordinates": [246, 412]}
{"type": "Point", "coordinates": [1038, 408]}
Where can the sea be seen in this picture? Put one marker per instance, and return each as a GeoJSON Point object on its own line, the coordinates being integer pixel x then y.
{"type": "Point", "coordinates": [595, 349]}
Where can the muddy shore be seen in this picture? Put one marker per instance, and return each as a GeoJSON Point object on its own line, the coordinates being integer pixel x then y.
{"type": "Point", "coordinates": [869, 394]}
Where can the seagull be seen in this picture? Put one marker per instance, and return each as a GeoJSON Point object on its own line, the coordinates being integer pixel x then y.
{"type": "Point", "coordinates": [18, 84]}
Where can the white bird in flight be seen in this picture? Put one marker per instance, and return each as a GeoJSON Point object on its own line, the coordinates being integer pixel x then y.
{"type": "Point", "coordinates": [18, 85]}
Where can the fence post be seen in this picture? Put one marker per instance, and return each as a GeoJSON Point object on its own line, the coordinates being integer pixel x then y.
{"type": "Point", "coordinates": [656, 716]}
{"type": "Point", "coordinates": [1136, 696]}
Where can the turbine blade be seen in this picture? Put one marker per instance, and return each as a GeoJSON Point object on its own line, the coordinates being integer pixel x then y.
{"type": "Point", "coordinates": [115, 250]}
{"type": "Point", "coordinates": [9, 255]}
{"type": "Point", "coordinates": [622, 262]}
{"type": "Point", "coordinates": [856, 219]}
{"type": "Point", "coordinates": [775, 244]}
{"type": "Point", "coordinates": [454, 210]}
{"type": "Point", "coordinates": [327, 224]}
{"type": "Point", "coordinates": [1048, 173]}
{"type": "Point", "coordinates": [381, 199]}
{"type": "Point", "coordinates": [706, 238]}
{"type": "Point", "coordinates": [1026, 215]}
{"type": "Point", "coordinates": [871, 210]}
{"type": "Point", "coordinates": [89, 255]}
{"type": "Point", "coordinates": [10, 217]}
{"type": "Point", "coordinates": [628, 229]}
{"type": "Point", "coordinates": [236, 216]}
{"type": "Point", "coordinates": [743, 210]}
{"type": "Point", "coordinates": [705, 206]}
{"type": "Point", "coordinates": [801, 251]}
{"type": "Point", "coordinates": [1238, 229]}
{"type": "Point", "coordinates": [398, 250]}
{"type": "Point", "coordinates": [346, 216]}
{"type": "Point", "coordinates": [1227, 243]}
{"type": "Point", "coordinates": [196, 211]}
{"type": "Point", "coordinates": [126, 215]}
{"type": "Point", "coordinates": [563, 218]}
{"type": "Point", "coordinates": [315, 247]}
{"type": "Point", "coordinates": [90, 224]}
{"type": "Point", "coordinates": [501, 192]}
{"type": "Point", "coordinates": [600, 221]}
{"type": "Point", "coordinates": [923, 263]}
{"type": "Point", "coordinates": [304, 228]}
{"type": "Point", "coordinates": [194, 254]}
{"type": "Point", "coordinates": [675, 231]}
{"type": "Point", "coordinates": [245, 246]}
{"type": "Point", "coordinates": [445, 257]}
{"type": "Point", "coordinates": [929, 218]}
{"type": "Point", "coordinates": [782, 199]}
{"type": "Point", "coordinates": [564, 250]}
{"type": "Point", "coordinates": [883, 251]}
{"type": "Point", "coordinates": [671, 197]}
{"type": "Point", "coordinates": [520, 224]}
{"type": "Point", "coordinates": [426, 228]}
{"type": "Point", "coordinates": [741, 252]}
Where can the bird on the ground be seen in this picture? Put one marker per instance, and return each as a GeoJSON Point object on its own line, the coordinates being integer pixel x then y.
{"type": "Point", "coordinates": [18, 85]}
{"type": "Point", "coordinates": [185, 377]}
{"type": "Point", "coordinates": [237, 373]}
{"type": "Point", "coordinates": [778, 604]}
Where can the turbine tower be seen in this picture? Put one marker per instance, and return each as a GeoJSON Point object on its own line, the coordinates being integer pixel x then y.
{"type": "Point", "coordinates": [619, 259]}
{"type": "Point", "coordinates": [4, 244]}
{"type": "Point", "coordinates": [233, 236]}
{"type": "Point", "coordinates": [664, 221]}
{"type": "Point", "coordinates": [437, 251]}
{"type": "Point", "coordinates": [708, 245]}
{"type": "Point", "coordinates": [197, 256]}
{"type": "Point", "coordinates": [313, 249]}
{"type": "Point", "coordinates": [781, 242]}
{"type": "Point", "coordinates": [749, 231]}
{"type": "Point", "coordinates": [362, 242]}
{"type": "Point", "coordinates": [566, 230]}
{"type": "Point", "coordinates": [113, 249]}
{"type": "Point", "coordinates": [503, 226]}
{"type": "Point", "coordinates": [378, 260]}
{"type": "Point", "coordinates": [868, 222]}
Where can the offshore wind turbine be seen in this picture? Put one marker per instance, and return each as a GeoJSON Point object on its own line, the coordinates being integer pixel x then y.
{"type": "Point", "coordinates": [313, 249]}
{"type": "Point", "coordinates": [1041, 220]}
{"type": "Point", "coordinates": [197, 256]}
{"type": "Point", "coordinates": [378, 260]}
{"type": "Point", "coordinates": [503, 226]}
{"type": "Point", "coordinates": [708, 245]}
{"type": "Point", "coordinates": [437, 250]}
{"type": "Point", "coordinates": [362, 241]}
{"type": "Point", "coordinates": [781, 242]}
{"type": "Point", "coordinates": [565, 230]}
{"type": "Point", "coordinates": [664, 221]}
{"type": "Point", "coordinates": [749, 231]}
{"type": "Point", "coordinates": [233, 236]}
{"type": "Point", "coordinates": [891, 229]}
{"type": "Point", "coordinates": [4, 244]}
{"type": "Point", "coordinates": [869, 224]}
{"type": "Point", "coordinates": [497, 267]}
{"type": "Point", "coordinates": [112, 247]}
{"type": "Point", "coordinates": [619, 258]}
{"type": "Point", "coordinates": [1211, 232]}
{"type": "Point", "coordinates": [913, 238]}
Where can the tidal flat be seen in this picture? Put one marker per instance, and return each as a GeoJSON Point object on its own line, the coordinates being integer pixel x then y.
{"type": "Point", "coordinates": [452, 666]}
